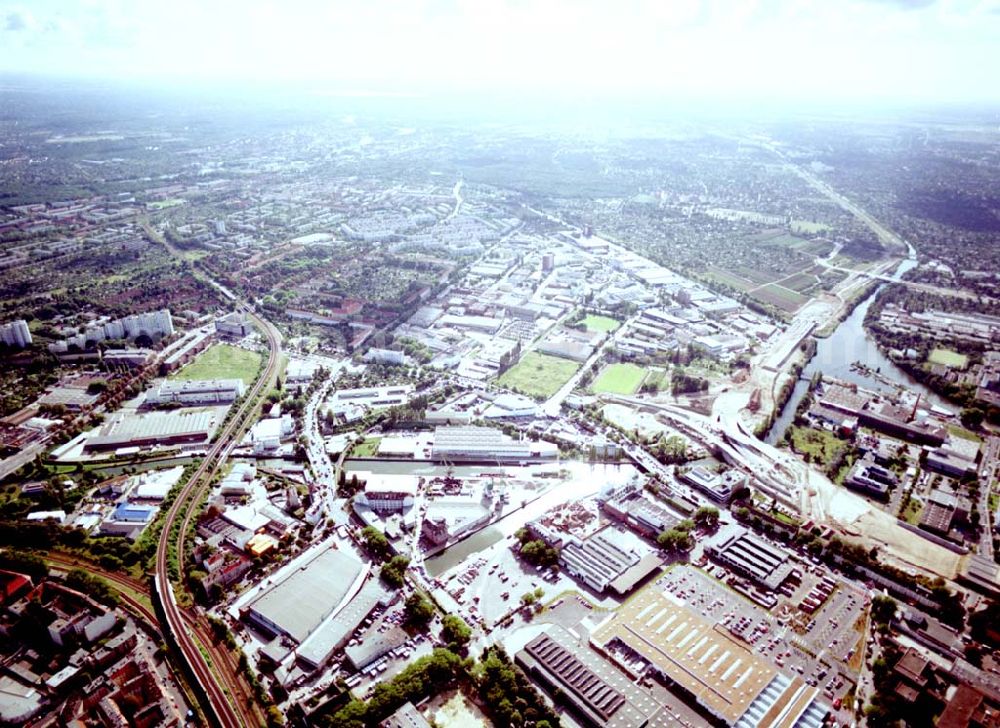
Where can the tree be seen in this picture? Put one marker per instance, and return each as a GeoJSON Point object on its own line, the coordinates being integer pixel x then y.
{"type": "Point", "coordinates": [675, 540]}
{"type": "Point", "coordinates": [707, 517]}
{"type": "Point", "coordinates": [394, 570]}
{"type": "Point", "coordinates": [419, 611]}
{"type": "Point", "coordinates": [375, 542]}
{"type": "Point", "coordinates": [883, 609]}
{"type": "Point", "coordinates": [454, 630]}
{"type": "Point", "coordinates": [972, 417]}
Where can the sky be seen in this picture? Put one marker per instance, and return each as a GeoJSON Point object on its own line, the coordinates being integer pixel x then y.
{"type": "Point", "coordinates": [786, 50]}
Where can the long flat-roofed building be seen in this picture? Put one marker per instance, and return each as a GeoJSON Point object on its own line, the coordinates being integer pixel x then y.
{"type": "Point", "coordinates": [197, 392]}
{"type": "Point", "coordinates": [477, 444]}
{"type": "Point", "coordinates": [656, 631]}
{"type": "Point", "coordinates": [597, 692]}
{"type": "Point", "coordinates": [308, 592]}
{"type": "Point", "coordinates": [340, 626]}
{"type": "Point", "coordinates": [750, 555]}
{"type": "Point", "coordinates": [155, 428]}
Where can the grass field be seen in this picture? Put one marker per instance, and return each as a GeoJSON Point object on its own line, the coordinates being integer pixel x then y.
{"type": "Point", "coordinates": [963, 433]}
{"type": "Point", "coordinates": [538, 375]}
{"type": "Point", "coordinates": [222, 361]}
{"type": "Point", "coordinates": [804, 227]}
{"type": "Point", "coordinates": [729, 279]}
{"type": "Point", "coordinates": [619, 379]}
{"type": "Point", "coordinates": [911, 514]}
{"type": "Point", "coordinates": [368, 448]}
{"type": "Point", "coordinates": [819, 444]}
{"type": "Point", "coordinates": [659, 378]}
{"type": "Point", "coordinates": [948, 358]}
{"type": "Point", "coordinates": [603, 324]}
{"type": "Point", "coordinates": [800, 282]}
{"type": "Point", "coordinates": [783, 298]}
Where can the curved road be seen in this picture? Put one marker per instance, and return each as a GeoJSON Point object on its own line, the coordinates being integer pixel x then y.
{"type": "Point", "coordinates": [182, 512]}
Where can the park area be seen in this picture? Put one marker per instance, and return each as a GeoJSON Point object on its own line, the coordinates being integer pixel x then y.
{"type": "Point", "coordinates": [619, 379]}
{"type": "Point", "coordinates": [222, 361]}
{"type": "Point", "coordinates": [818, 446]}
{"type": "Point", "coordinates": [948, 358]}
{"type": "Point", "coordinates": [538, 375]}
{"type": "Point", "coordinates": [600, 324]}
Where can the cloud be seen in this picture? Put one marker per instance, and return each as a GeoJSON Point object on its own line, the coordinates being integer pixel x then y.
{"type": "Point", "coordinates": [906, 4]}
{"type": "Point", "coordinates": [18, 21]}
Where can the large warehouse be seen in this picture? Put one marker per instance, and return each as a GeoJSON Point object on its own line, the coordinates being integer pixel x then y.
{"type": "Point", "coordinates": [719, 674]}
{"type": "Point", "coordinates": [197, 392]}
{"type": "Point", "coordinates": [156, 428]}
{"type": "Point", "coordinates": [485, 444]}
{"type": "Point", "coordinates": [595, 689]}
{"type": "Point", "coordinates": [748, 554]}
{"type": "Point", "coordinates": [307, 591]}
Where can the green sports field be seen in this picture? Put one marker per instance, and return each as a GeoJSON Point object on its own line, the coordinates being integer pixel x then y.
{"type": "Point", "coordinates": [222, 361]}
{"type": "Point", "coordinates": [619, 379]}
{"type": "Point", "coordinates": [538, 375]}
{"type": "Point", "coordinates": [603, 324]}
{"type": "Point", "coordinates": [948, 358]}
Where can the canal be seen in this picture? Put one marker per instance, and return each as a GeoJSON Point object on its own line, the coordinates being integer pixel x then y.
{"type": "Point", "coordinates": [583, 480]}
{"type": "Point", "coordinates": [836, 354]}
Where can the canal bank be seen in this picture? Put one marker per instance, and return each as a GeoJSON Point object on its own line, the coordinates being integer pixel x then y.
{"type": "Point", "coordinates": [837, 356]}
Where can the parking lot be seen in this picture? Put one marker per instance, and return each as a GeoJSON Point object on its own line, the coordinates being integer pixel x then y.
{"type": "Point", "coordinates": [490, 584]}
{"type": "Point", "coordinates": [772, 637]}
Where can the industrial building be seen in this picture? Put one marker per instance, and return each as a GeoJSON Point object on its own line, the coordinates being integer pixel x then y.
{"type": "Point", "coordinates": [300, 371]}
{"type": "Point", "coordinates": [654, 631]}
{"type": "Point", "coordinates": [126, 358]}
{"type": "Point", "coordinates": [749, 555]}
{"type": "Point", "coordinates": [955, 458]}
{"type": "Point", "coordinates": [266, 435]}
{"type": "Point", "coordinates": [606, 560]}
{"type": "Point", "coordinates": [640, 514]}
{"type": "Point", "coordinates": [234, 325]}
{"type": "Point", "coordinates": [16, 334]}
{"type": "Point", "coordinates": [342, 624]}
{"type": "Point", "coordinates": [128, 520]}
{"type": "Point", "coordinates": [373, 648]}
{"type": "Point", "coordinates": [154, 428]}
{"type": "Point", "coordinates": [449, 518]}
{"type": "Point", "coordinates": [720, 487]}
{"type": "Point", "coordinates": [387, 492]}
{"type": "Point", "coordinates": [870, 478]}
{"type": "Point", "coordinates": [598, 694]}
{"type": "Point", "coordinates": [197, 392]}
{"type": "Point", "coordinates": [479, 444]}
{"type": "Point", "coordinates": [407, 716]}
{"type": "Point", "coordinates": [305, 593]}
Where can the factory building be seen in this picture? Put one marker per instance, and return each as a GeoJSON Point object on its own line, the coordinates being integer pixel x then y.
{"type": "Point", "coordinates": [233, 325]}
{"type": "Point", "coordinates": [484, 444]}
{"type": "Point", "coordinates": [749, 555]}
{"type": "Point", "coordinates": [197, 392]}
{"type": "Point", "coordinates": [655, 633]}
{"type": "Point", "coordinates": [154, 428]}
{"type": "Point", "coordinates": [305, 593]}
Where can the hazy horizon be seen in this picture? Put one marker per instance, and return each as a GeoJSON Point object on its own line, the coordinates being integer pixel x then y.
{"type": "Point", "coordinates": [885, 52]}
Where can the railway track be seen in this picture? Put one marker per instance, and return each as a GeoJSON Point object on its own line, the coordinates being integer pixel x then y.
{"type": "Point", "coordinates": [220, 654]}
{"type": "Point", "coordinates": [218, 705]}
